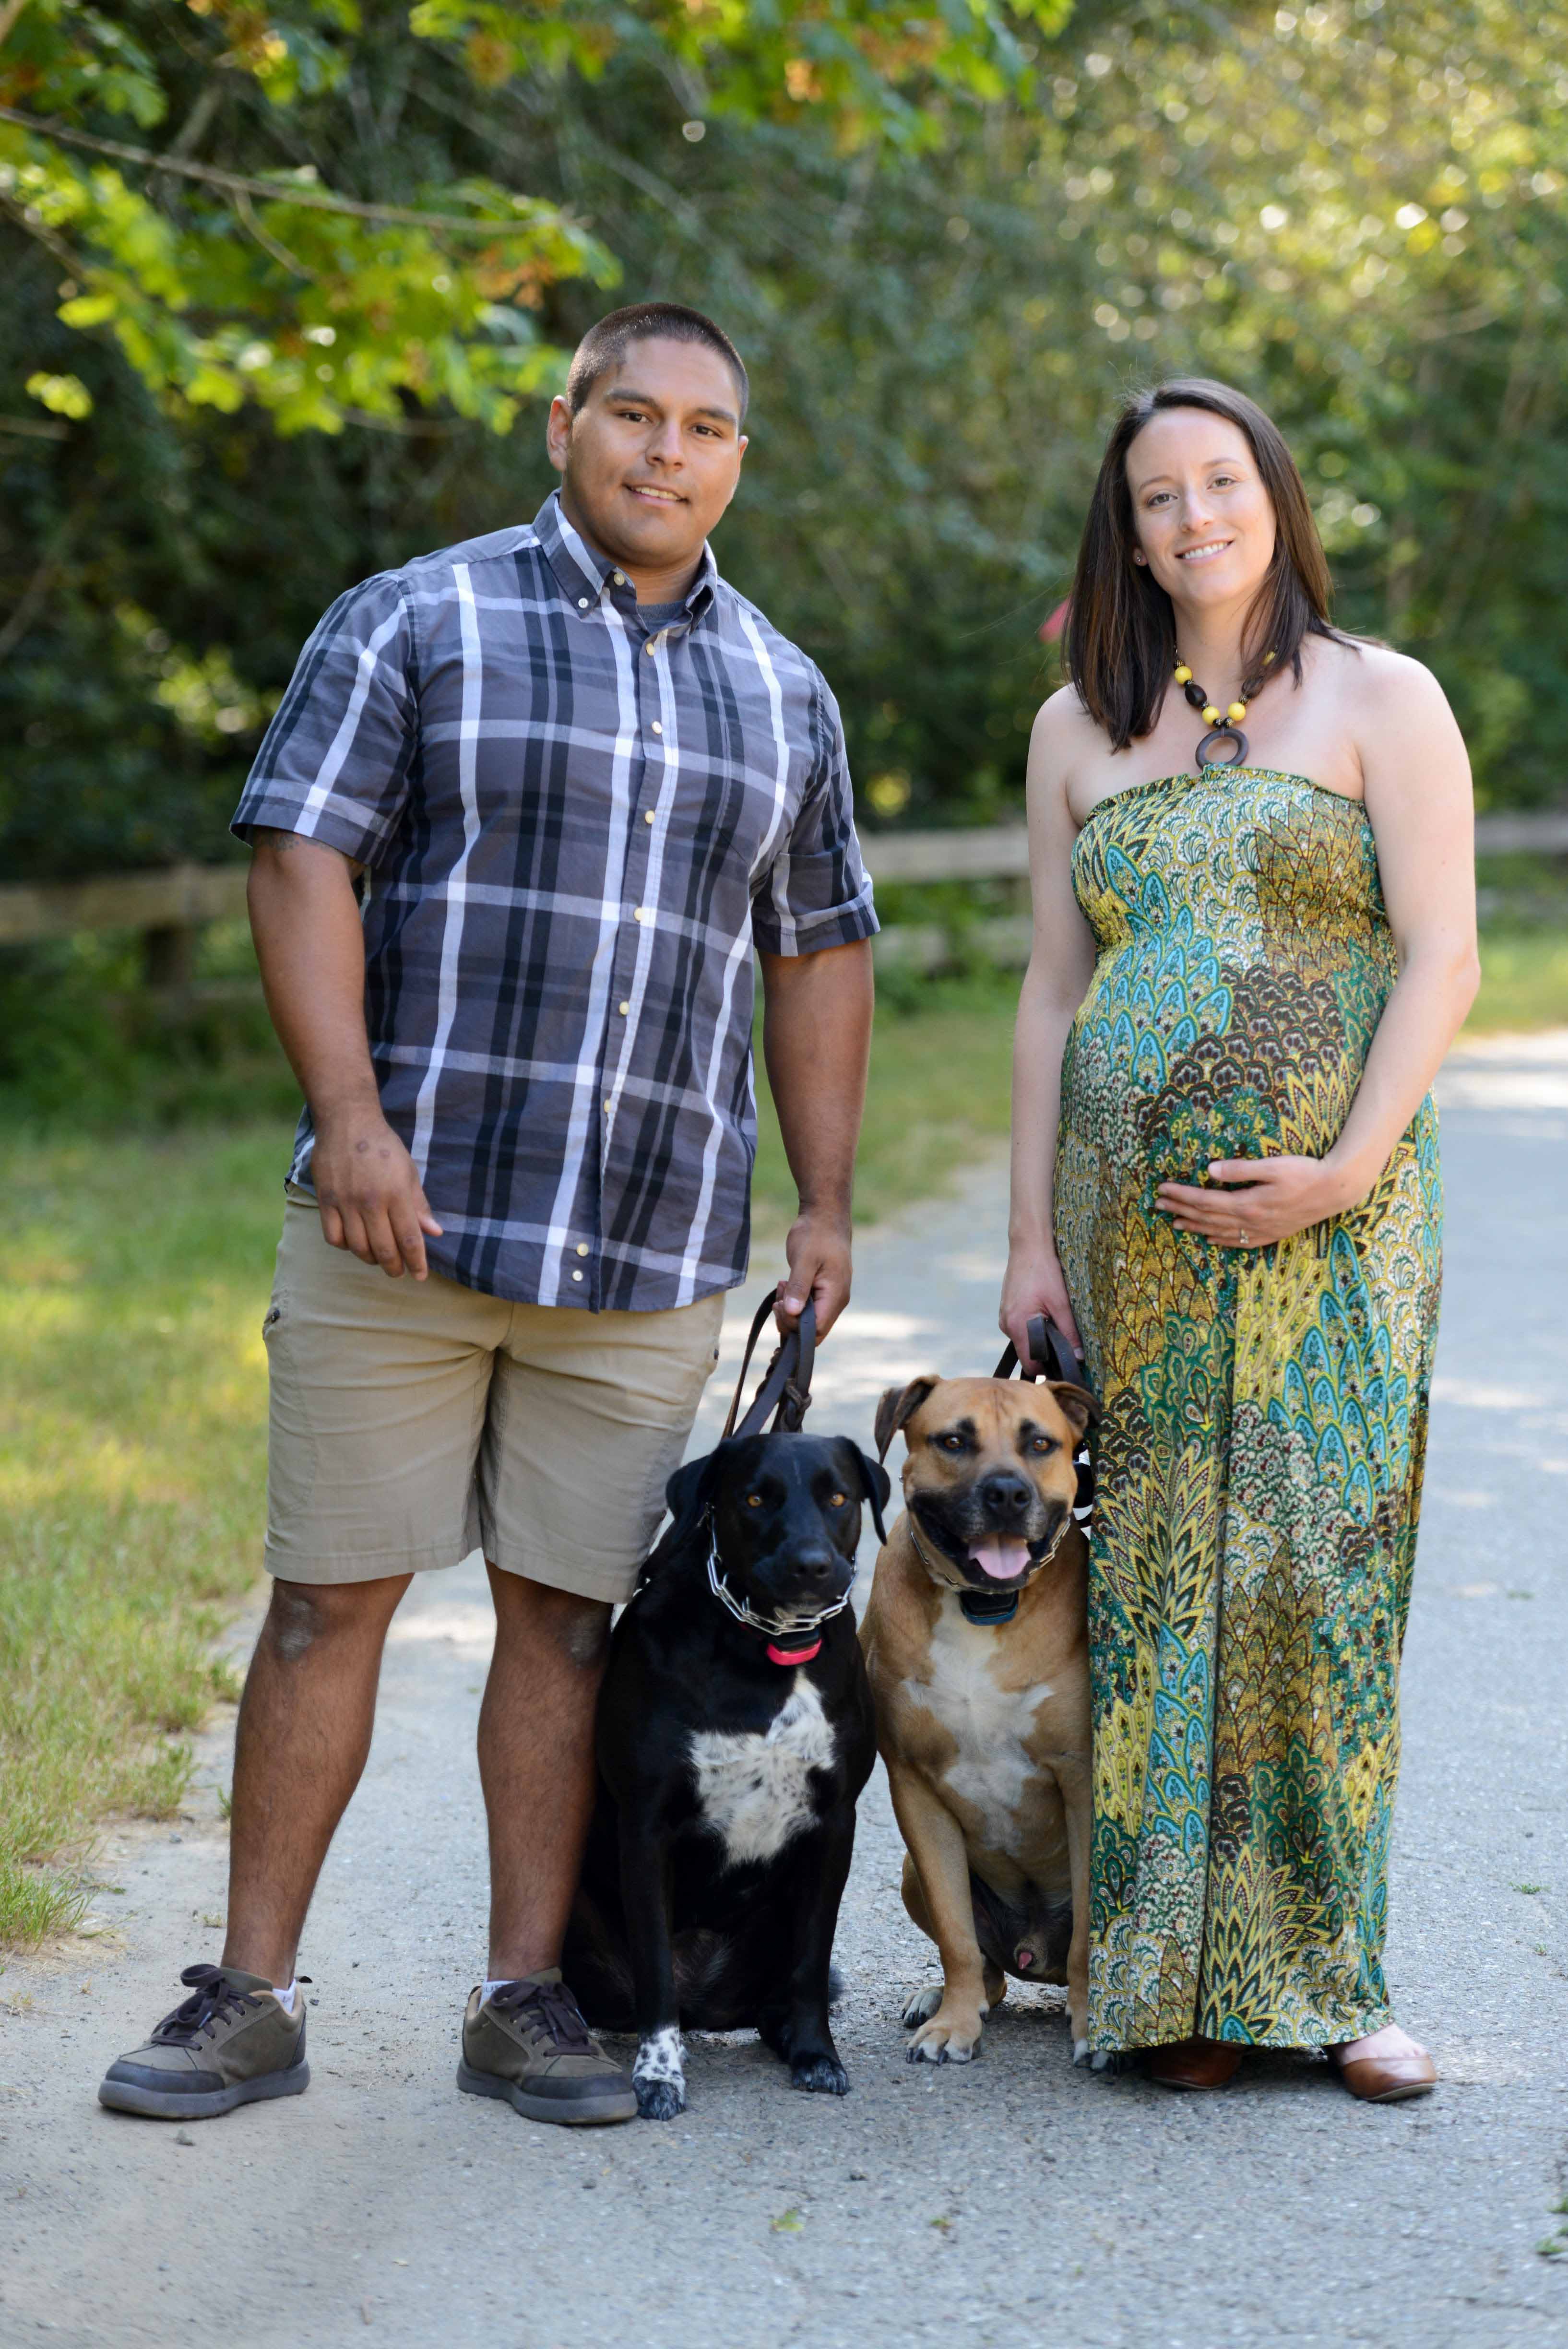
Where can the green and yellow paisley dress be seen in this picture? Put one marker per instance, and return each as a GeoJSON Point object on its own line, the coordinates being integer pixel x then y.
{"type": "Point", "coordinates": [1265, 1412]}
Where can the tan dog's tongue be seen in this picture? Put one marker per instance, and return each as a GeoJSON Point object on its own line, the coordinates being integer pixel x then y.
{"type": "Point", "coordinates": [999, 1558]}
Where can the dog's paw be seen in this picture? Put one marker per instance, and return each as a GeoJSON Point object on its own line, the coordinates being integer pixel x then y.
{"type": "Point", "coordinates": [1080, 2051]}
{"type": "Point", "coordinates": [820, 2075]}
{"type": "Point", "coordinates": [660, 2100]}
{"type": "Point", "coordinates": [659, 2076]}
{"type": "Point", "coordinates": [945, 2040]}
{"type": "Point", "coordinates": [921, 2006]}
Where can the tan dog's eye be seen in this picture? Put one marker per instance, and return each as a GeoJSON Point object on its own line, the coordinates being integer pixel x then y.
{"type": "Point", "coordinates": [1043, 1444]}
{"type": "Point", "coordinates": [754, 1500]}
{"type": "Point", "coordinates": [951, 1443]}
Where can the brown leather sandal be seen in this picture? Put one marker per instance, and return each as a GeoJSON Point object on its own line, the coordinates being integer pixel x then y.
{"type": "Point", "coordinates": [1384, 2079]}
{"type": "Point", "coordinates": [1194, 2063]}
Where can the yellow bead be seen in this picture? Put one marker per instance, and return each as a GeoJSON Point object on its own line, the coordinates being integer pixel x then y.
{"type": "Point", "coordinates": [1183, 674]}
{"type": "Point", "coordinates": [1210, 715]}
{"type": "Point", "coordinates": [1237, 711]}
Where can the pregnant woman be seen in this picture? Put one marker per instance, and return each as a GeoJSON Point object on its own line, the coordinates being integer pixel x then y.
{"type": "Point", "coordinates": [1255, 939]}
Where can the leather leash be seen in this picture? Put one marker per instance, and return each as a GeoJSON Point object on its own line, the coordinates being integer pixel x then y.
{"type": "Point", "coordinates": [1046, 1344]}
{"type": "Point", "coordinates": [784, 1396]}
{"type": "Point", "coordinates": [787, 1383]}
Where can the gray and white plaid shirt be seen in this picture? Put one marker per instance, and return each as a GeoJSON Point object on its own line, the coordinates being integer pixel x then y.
{"type": "Point", "coordinates": [574, 832]}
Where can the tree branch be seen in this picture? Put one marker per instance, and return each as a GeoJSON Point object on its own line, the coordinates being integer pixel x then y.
{"type": "Point", "coordinates": [235, 183]}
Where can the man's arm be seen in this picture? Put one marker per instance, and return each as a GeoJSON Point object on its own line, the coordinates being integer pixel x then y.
{"type": "Point", "coordinates": [311, 949]}
{"type": "Point", "coordinates": [816, 1043]}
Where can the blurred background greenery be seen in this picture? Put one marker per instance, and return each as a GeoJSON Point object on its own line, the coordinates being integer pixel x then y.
{"type": "Point", "coordinates": [946, 243]}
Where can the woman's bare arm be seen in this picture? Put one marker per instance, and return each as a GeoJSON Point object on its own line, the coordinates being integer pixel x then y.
{"type": "Point", "coordinates": [1061, 964]}
{"type": "Point", "coordinates": [311, 949]}
{"type": "Point", "coordinates": [1417, 793]}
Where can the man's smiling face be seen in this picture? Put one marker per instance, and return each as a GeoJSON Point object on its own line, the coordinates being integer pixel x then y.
{"type": "Point", "coordinates": [652, 459]}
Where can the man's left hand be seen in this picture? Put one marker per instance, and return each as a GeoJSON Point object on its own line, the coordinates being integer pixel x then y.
{"type": "Point", "coordinates": [1254, 1202]}
{"type": "Point", "coordinates": [818, 1251]}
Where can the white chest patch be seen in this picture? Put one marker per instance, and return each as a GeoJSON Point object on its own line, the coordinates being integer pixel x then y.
{"type": "Point", "coordinates": [755, 1787]}
{"type": "Point", "coordinates": [987, 1723]}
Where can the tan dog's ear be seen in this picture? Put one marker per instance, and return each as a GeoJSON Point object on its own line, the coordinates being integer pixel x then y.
{"type": "Point", "coordinates": [897, 1405]}
{"type": "Point", "coordinates": [1079, 1403]}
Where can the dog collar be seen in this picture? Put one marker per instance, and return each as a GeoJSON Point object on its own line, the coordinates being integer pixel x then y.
{"type": "Point", "coordinates": [777, 1655]}
{"type": "Point", "coordinates": [776, 1629]}
{"type": "Point", "coordinates": [988, 1608]}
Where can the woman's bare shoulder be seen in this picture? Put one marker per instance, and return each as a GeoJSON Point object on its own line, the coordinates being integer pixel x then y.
{"type": "Point", "coordinates": [1063, 729]}
{"type": "Point", "coordinates": [1376, 680]}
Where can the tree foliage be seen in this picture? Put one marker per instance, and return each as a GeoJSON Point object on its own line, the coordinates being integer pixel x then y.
{"type": "Point", "coordinates": [313, 335]}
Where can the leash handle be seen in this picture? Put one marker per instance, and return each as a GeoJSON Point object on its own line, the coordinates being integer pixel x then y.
{"type": "Point", "coordinates": [786, 1384]}
{"type": "Point", "coordinates": [1046, 1345]}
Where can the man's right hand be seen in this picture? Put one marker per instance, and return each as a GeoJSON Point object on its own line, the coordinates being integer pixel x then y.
{"type": "Point", "coordinates": [369, 1194]}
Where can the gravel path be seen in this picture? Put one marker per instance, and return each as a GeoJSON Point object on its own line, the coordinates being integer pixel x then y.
{"type": "Point", "coordinates": [1014, 2200]}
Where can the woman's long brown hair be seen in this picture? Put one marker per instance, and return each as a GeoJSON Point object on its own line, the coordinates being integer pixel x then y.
{"type": "Point", "coordinates": [1120, 638]}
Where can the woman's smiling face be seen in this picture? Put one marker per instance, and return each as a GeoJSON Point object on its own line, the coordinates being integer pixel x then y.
{"type": "Point", "coordinates": [1203, 520]}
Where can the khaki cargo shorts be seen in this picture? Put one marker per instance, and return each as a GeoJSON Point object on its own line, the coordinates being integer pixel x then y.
{"type": "Point", "coordinates": [412, 1422]}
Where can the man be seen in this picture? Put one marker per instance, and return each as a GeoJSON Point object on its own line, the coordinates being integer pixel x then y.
{"type": "Point", "coordinates": [581, 779]}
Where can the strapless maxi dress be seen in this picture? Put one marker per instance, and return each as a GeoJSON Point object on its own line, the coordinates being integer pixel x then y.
{"type": "Point", "coordinates": [1265, 1413]}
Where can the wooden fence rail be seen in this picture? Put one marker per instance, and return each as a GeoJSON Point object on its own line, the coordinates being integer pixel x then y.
{"type": "Point", "coordinates": [170, 908]}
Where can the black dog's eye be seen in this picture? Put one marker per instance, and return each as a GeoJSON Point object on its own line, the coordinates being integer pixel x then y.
{"type": "Point", "coordinates": [754, 1500]}
{"type": "Point", "coordinates": [836, 1500]}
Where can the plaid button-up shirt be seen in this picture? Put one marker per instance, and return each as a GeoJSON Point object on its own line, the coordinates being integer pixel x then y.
{"type": "Point", "coordinates": [574, 832]}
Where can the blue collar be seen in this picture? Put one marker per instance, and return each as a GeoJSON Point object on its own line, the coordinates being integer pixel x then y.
{"type": "Point", "coordinates": [988, 1608]}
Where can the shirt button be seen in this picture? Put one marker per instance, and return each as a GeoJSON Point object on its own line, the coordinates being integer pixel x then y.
{"type": "Point", "coordinates": [657, 727]}
{"type": "Point", "coordinates": [648, 815]}
{"type": "Point", "coordinates": [639, 912]}
{"type": "Point", "coordinates": [581, 1247]}
{"type": "Point", "coordinates": [606, 1104]}
{"type": "Point", "coordinates": [651, 647]}
{"type": "Point", "coordinates": [582, 603]}
{"type": "Point", "coordinates": [577, 1276]}
{"type": "Point", "coordinates": [620, 578]}
{"type": "Point", "coordinates": [623, 1008]}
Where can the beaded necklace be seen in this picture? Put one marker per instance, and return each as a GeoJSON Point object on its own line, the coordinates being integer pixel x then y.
{"type": "Point", "coordinates": [1226, 727]}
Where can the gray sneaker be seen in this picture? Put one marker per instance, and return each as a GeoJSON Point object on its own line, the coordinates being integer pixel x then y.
{"type": "Point", "coordinates": [529, 2044]}
{"type": "Point", "coordinates": [231, 2043]}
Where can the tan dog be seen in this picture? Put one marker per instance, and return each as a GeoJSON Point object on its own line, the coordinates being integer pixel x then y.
{"type": "Point", "coordinates": [984, 1723]}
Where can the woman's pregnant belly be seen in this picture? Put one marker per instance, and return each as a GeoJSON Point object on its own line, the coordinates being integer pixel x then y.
{"type": "Point", "coordinates": [1177, 1058]}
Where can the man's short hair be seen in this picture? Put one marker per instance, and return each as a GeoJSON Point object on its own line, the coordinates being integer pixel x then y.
{"type": "Point", "coordinates": [607, 343]}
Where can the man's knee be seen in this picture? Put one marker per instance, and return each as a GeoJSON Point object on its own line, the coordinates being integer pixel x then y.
{"type": "Point", "coordinates": [578, 1626]}
{"type": "Point", "coordinates": [302, 1614]}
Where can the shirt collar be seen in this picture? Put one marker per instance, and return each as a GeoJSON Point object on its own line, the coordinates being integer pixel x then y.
{"type": "Point", "coordinates": [583, 573]}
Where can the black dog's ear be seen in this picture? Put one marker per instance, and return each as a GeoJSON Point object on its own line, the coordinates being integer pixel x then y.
{"type": "Point", "coordinates": [873, 1479]}
{"type": "Point", "coordinates": [686, 1496]}
{"type": "Point", "coordinates": [897, 1405]}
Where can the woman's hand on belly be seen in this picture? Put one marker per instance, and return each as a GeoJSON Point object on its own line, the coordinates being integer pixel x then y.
{"type": "Point", "coordinates": [1035, 1283]}
{"type": "Point", "coordinates": [1252, 1202]}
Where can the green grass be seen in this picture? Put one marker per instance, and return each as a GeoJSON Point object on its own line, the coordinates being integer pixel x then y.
{"type": "Point", "coordinates": [1524, 982]}
{"type": "Point", "coordinates": [132, 1444]}
{"type": "Point", "coordinates": [133, 1375]}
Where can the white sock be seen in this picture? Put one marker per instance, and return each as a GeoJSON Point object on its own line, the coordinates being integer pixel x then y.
{"type": "Point", "coordinates": [285, 1998]}
{"type": "Point", "coordinates": [491, 1988]}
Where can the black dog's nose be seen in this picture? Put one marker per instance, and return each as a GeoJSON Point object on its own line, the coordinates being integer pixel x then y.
{"type": "Point", "coordinates": [817, 1563]}
{"type": "Point", "coordinates": [1004, 1494]}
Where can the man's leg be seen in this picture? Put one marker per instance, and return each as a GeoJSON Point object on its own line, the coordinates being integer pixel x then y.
{"type": "Point", "coordinates": [303, 1733]}
{"type": "Point", "coordinates": [537, 1765]}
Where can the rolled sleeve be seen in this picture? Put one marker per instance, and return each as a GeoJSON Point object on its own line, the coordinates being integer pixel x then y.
{"type": "Point", "coordinates": [816, 892]}
{"type": "Point", "coordinates": [336, 760]}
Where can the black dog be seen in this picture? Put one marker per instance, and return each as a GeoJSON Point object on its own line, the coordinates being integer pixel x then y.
{"type": "Point", "coordinates": [735, 1732]}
